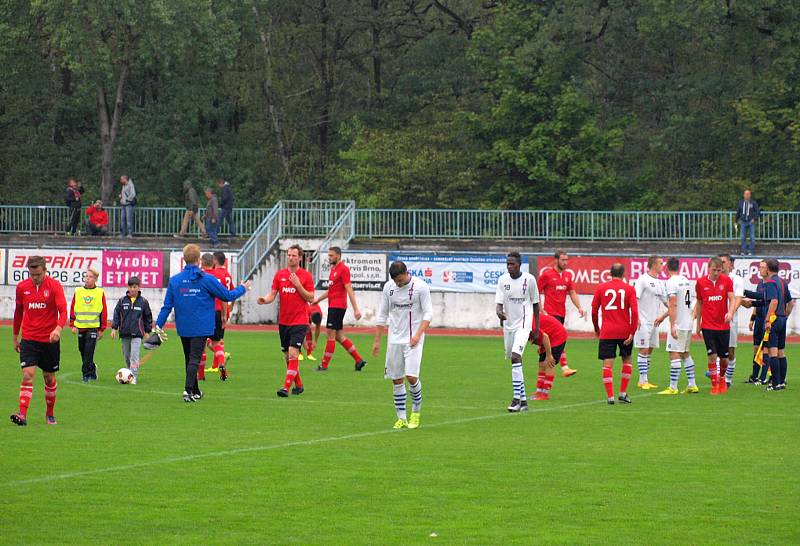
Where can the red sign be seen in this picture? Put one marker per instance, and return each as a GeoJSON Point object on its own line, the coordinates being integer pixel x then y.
{"type": "Point", "coordinates": [587, 271]}
{"type": "Point", "coordinates": [120, 265]}
{"type": "Point", "coordinates": [691, 268]}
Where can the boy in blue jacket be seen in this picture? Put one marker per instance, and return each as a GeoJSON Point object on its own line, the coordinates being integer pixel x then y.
{"type": "Point", "coordinates": [191, 293]}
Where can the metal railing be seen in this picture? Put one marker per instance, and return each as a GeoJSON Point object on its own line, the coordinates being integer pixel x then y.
{"type": "Point", "coordinates": [260, 243]}
{"type": "Point", "coordinates": [151, 221]}
{"type": "Point", "coordinates": [316, 219]}
{"type": "Point", "coordinates": [340, 235]}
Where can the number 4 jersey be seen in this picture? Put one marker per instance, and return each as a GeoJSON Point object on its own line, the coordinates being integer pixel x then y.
{"type": "Point", "coordinates": [680, 287]}
{"type": "Point", "coordinates": [616, 301]}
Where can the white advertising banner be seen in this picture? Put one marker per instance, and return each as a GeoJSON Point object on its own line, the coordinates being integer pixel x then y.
{"type": "Point", "coordinates": [457, 272]}
{"type": "Point", "coordinates": [367, 270]}
{"type": "Point", "coordinates": [66, 266]}
{"type": "Point", "coordinates": [176, 264]}
{"type": "Point", "coordinates": [2, 266]}
{"type": "Point", "coordinates": [789, 270]}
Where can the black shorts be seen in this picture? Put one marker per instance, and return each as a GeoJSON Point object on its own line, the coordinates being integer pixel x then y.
{"type": "Point", "coordinates": [219, 331]}
{"type": "Point", "coordinates": [717, 342]}
{"type": "Point", "coordinates": [316, 318]}
{"type": "Point", "coordinates": [46, 356]}
{"type": "Point", "coordinates": [559, 319]}
{"type": "Point", "coordinates": [777, 334]}
{"type": "Point", "coordinates": [607, 349]}
{"type": "Point", "coordinates": [292, 336]}
{"type": "Point", "coordinates": [758, 332]}
{"type": "Point", "coordinates": [335, 318]}
{"type": "Point", "coordinates": [557, 350]}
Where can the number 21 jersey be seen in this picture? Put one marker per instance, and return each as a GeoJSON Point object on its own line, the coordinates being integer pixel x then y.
{"type": "Point", "coordinates": [617, 301]}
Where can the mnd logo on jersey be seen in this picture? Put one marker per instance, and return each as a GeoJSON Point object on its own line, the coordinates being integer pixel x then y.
{"type": "Point", "coordinates": [715, 298]}
{"type": "Point", "coordinates": [37, 305]}
{"type": "Point", "coordinates": [289, 290]}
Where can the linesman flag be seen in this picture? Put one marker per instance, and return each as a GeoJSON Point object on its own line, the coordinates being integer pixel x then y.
{"type": "Point", "coordinates": [759, 359]}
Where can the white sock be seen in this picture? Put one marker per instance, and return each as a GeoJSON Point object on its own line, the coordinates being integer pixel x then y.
{"type": "Point", "coordinates": [674, 373]}
{"type": "Point", "coordinates": [400, 400]}
{"type": "Point", "coordinates": [730, 370]}
{"type": "Point", "coordinates": [644, 366]}
{"type": "Point", "coordinates": [688, 365]}
{"type": "Point", "coordinates": [518, 381]}
{"type": "Point", "coordinates": [416, 396]}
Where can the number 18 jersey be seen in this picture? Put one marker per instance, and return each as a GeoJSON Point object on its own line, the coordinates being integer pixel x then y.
{"type": "Point", "coordinates": [680, 287]}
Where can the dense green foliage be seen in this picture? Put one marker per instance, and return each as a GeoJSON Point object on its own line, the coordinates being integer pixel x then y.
{"type": "Point", "coordinates": [136, 465]}
{"type": "Point", "coordinates": [405, 103]}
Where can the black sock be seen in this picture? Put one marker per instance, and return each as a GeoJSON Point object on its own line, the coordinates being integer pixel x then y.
{"type": "Point", "coordinates": [783, 369]}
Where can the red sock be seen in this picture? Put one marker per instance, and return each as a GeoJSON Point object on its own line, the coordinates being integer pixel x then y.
{"type": "Point", "coordinates": [330, 346]}
{"type": "Point", "coordinates": [540, 382]}
{"type": "Point", "coordinates": [712, 370]}
{"type": "Point", "coordinates": [308, 342]}
{"type": "Point", "coordinates": [627, 370]}
{"type": "Point", "coordinates": [722, 369]}
{"type": "Point", "coordinates": [25, 394]}
{"type": "Point", "coordinates": [297, 382]}
{"type": "Point", "coordinates": [608, 381]}
{"type": "Point", "coordinates": [201, 368]}
{"type": "Point", "coordinates": [291, 373]}
{"type": "Point", "coordinates": [203, 359]}
{"type": "Point", "coordinates": [50, 398]}
{"type": "Point", "coordinates": [350, 348]}
{"type": "Point", "coordinates": [548, 383]}
{"type": "Point", "coordinates": [219, 355]}
{"type": "Point", "coordinates": [563, 360]}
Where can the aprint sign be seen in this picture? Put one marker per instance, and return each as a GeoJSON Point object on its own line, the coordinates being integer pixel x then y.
{"type": "Point", "coordinates": [66, 266]}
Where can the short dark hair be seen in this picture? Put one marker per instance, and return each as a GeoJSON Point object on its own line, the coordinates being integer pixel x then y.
{"type": "Point", "coordinates": [336, 249]}
{"type": "Point", "coordinates": [220, 257]}
{"type": "Point", "coordinates": [297, 247]}
{"type": "Point", "coordinates": [134, 280]}
{"type": "Point", "coordinates": [728, 256]}
{"type": "Point", "coordinates": [673, 264]}
{"type": "Point", "coordinates": [516, 256]}
{"type": "Point", "coordinates": [617, 271]}
{"type": "Point", "coordinates": [773, 265]}
{"type": "Point", "coordinates": [207, 259]}
{"type": "Point", "coordinates": [558, 253]}
{"type": "Point", "coordinates": [36, 261]}
{"type": "Point", "coordinates": [396, 269]}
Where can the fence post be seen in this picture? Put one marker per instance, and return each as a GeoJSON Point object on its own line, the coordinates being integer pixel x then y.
{"type": "Point", "coordinates": [683, 226]}
{"type": "Point", "coordinates": [778, 227]}
{"type": "Point", "coordinates": [591, 225]}
{"type": "Point", "coordinates": [547, 225]}
{"type": "Point", "coordinates": [414, 224]}
{"type": "Point", "coordinates": [637, 225]}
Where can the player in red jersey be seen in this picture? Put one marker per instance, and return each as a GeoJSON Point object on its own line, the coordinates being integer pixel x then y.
{"type": "Point", "coordinates": [339, 290]}
{"type": "Point", "coordinates": [41, 313]}
{"type": "Point", "coordinates": [552, 340]}
{"type": "Point", "coordinates": [295, 286]}
{"type": "Point", "coordinates": [617, 300]}
{"type": "Point", "coordinates": [715, 304]}
{"type": "Point", "coordinates": [555, 284]}
{"type": "Point", "coordinates": [214, 265]}
{"type": "Point", "coordinates": [315, 318]}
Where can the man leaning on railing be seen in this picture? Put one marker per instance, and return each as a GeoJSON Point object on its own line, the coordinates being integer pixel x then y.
{"type": "Point", "coordinates": [747, 214]}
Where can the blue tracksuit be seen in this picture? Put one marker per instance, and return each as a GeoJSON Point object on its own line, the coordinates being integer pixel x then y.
{"type": "Point", "coordinates": [191, 293]}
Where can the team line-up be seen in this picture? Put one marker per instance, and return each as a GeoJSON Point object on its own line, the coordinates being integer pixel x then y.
{"type": "Point", "coordinates": [623, 316]}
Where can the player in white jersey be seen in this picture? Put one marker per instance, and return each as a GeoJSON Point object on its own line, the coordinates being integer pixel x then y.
{"type": "Point", "coordinates": [651, 296]}
{"type": "Point", "coordinates": [406, 308]}
{"type": "Point", "coordinates": [738, 294]}
{"type": "Point", "coordinates": [517, 307]}
{"type": "Point", "coordinates": [681, 321]}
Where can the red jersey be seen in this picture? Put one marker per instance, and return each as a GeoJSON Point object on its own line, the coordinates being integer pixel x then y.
{"type": "Point", "coordinates": [554, 330]}
{"type": "Point", "coordinates": [337, 293]}
{"type": "Point", "coordinates": [294, 309]}
{"type": "Point", "coordinates": [39, 309]}
{"type": "Point", "coordinates": [314, 309]}
{"type": "Point", "coordinates": [555, 286]}
{"type": "Point", "coordinates": [226, 280]}
{"type": "Point", "coordinates": [714, 298]}
{"type": "Point", "coordinates": [617, 299]}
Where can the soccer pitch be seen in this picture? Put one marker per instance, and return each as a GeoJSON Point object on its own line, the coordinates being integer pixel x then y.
{"type": "Point", "coordinates": [135, 464]}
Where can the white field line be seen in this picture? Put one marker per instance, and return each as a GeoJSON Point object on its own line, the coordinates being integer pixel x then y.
{"type": "Point", "coordinates": [270, 447]}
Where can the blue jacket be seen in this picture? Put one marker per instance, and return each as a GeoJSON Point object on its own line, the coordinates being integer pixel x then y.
{"type": "Point", "coordinates": [191, 293]}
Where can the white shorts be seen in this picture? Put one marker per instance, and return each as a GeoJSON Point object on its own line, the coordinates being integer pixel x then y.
{"type": "Point", "coordinates": [402, 360]}
{"type": "Point", "coordinates": [680, 345]}
{"type": "Point", "coordinates": [646, 337]}
{"type": "Point", "coordinates": [515, 341]}
{"type": "Point", "coordinates": [734, 334]}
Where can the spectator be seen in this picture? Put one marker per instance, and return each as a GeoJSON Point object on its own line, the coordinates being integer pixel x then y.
{"type": "Point", "coordinates": [73, 201]}
{"type": "Point", "coordinates": [127, 200]}
{"type": "Point", "coordinates": [192, 204]}
{"type": "Point", "coordinates": [226, 207]}
{"type": "Point", "coordinates": [98, 219]}
{"type": "Point", "coordinates": [747, 214]}
{"type": "Point", "coordinates": [212, 216]}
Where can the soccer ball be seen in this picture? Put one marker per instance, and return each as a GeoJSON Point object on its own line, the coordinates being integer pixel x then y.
{"type": "Point", "coordinates": [124, 376]}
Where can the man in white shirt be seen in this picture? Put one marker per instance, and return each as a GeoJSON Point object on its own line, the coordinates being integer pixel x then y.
{"type": "Point", "coordinates": [406, 308]}
{"type": "Point", "coordinates": [517, 307]}
{"type": "Point", "coordinates": [651, 296]}
{"type": "Point", "coordinates": [680, 311]}
{"type": "Point", "coordinates": [738, 294]}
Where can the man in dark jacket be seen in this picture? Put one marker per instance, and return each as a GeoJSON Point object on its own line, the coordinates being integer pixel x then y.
{"type": "Point", "coordinates": [132, 320]}
{"type": "Point", "coordinates": [73, 200]}
{"type": "Point", "coordinates": [191, 293]}
{"type": "Point", "coordinates": [747, 214]}
{"type": "Point", "coordinates": [226, 207]}
{"type": "Point", "coordinates": [212, 216]}
{"type": "Point", "coordinates": [192, 203]}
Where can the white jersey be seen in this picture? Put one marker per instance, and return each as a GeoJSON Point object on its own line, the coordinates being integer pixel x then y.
{"type": "Point", "coordinates": [651, 294]}
{"type": "Point", "coordinates": [680, 287]}
{"type": "Point", "coordinates": [404, 308]}
{"type": "Point", "coordinates": [517, 297]}
{"type": "Point", "coordinates": [738, 292]}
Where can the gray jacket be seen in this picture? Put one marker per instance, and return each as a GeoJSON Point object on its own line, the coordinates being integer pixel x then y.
{"type": "Point", "coordinates": [190, 198]}
{"type": "Point", "coordinates": [128, 194]}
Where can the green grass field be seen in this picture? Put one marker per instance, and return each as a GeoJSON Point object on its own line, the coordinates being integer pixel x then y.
{"type": "Point", "coordinates": [135, 464]}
